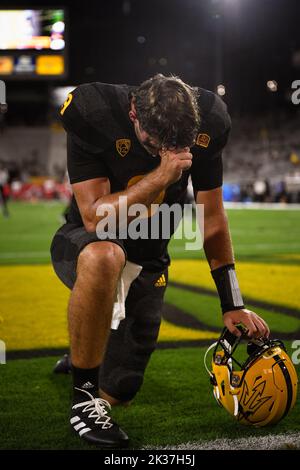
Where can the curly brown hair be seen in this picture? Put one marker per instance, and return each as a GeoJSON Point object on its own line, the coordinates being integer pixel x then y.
{"type": "Point", "coordinates": [167, 110]}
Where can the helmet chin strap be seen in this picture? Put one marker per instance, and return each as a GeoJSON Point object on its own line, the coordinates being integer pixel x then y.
{"type": "Point", "coordinates": [205, 356]}
{"type": "Point", "coordinates": [228, 341]}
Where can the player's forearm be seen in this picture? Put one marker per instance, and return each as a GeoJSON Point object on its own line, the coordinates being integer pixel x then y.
{"type": "Point", "coordinates": [217, 241]}
{"type": "Point", "coordinates": [143, 192]}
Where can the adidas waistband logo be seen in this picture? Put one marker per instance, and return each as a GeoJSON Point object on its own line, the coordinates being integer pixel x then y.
{"type": "Point", "coordinates": [161, 281]}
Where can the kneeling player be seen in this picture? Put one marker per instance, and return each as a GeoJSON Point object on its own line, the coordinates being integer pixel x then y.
{"type": "Point", "coordinates": [141, 143]}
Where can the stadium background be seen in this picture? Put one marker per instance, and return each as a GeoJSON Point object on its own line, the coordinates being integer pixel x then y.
{"type": "Point", "coordinates": [251, 51]}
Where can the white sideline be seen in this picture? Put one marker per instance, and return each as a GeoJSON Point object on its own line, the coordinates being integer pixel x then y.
{"type": "Point", "coordinates": [279, 206]}
{"type": "Point", "coordinates": [247, 245]}
{"type": "Point", "coordinates": [270, 442]}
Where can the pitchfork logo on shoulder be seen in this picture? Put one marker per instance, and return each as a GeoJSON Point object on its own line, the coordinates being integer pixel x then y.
{"type": "Point", "coordinates": [3, 105]}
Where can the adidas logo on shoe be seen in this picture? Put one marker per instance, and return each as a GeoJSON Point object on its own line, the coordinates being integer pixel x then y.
{"type": "Point", "coordinates": [91, 421]}
{"type": "Point", "coordinates": [161, 281]}
{"type": "Point", "coordinates": [87, 386]}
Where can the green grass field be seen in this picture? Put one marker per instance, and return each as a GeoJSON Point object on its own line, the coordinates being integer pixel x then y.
{"type": "Point", "coordinates": [257, 234]}
{"type": "Point", "coordinates": [175, 404]}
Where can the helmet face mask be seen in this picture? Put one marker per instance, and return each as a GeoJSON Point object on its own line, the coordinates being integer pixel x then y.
{"type": "Point", "coordinates": [259, 390]}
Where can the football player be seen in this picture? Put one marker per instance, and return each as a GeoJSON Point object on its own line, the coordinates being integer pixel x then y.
{"type": "Point", "coordinates": [142, 143]}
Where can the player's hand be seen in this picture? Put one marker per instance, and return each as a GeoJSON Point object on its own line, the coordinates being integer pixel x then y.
{"type": "Point", "coordinates": [256, 326]}
{"type": "Point", "coordinates": [173, 163]}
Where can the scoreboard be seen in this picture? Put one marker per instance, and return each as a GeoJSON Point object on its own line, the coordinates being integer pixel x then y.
{"type": "Point", "coordinates": [33, 43]}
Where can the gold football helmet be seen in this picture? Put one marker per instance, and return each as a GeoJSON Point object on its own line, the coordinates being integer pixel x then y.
{"type": "Point", "coordinates": [259, 391]}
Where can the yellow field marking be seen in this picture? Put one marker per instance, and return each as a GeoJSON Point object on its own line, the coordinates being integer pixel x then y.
{"type": "Point", "coordinates": [170, 332]}
{"type": "Point", "coordinates": [33, 308]}
{"type": "Point", "coordinates": [33, 301]}
{"type": "Point", "coordinates": [33, 305]}
{"type": "Point", "coordinates": [269, 282]}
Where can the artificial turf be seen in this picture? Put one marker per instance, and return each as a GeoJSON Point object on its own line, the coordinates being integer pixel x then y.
{"type": "Point", "coordinates": [266, 235]}
{"type": "Point", "coordinates": [175, 405]}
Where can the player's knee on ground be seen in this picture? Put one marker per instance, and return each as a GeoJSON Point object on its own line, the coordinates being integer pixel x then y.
{"type": "Point", "coordinates": [129, 350]}
{"type": "Point", "coordinates": [99, 257]}
{"type": "Point", "coordinates": [123, 385]}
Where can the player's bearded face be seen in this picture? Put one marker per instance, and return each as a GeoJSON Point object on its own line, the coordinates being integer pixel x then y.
{"type": "Point", "coordinates": [149, 143]}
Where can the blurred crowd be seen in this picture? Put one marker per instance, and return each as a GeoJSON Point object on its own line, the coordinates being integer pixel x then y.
{"type": "Point", "coordinates": [16, 184]}
{"type": "Point", "coordinates": [261, 161]}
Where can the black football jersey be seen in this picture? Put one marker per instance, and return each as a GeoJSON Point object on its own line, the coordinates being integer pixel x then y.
{"type": "Point", "coordinates": [101, 142]}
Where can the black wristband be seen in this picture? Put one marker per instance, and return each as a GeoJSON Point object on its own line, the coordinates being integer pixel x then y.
{"type": "Point", "coordinates": [228, 288]}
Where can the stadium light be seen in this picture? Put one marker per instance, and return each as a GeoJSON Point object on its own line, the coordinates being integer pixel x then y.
{"type": "Point", "coordinates": [224, 2]}
{"type": "Point", "coordinates": [272, 85]}
{"type": "Point", "coordinates": [141, 39]}
{"type": "Point", "coordinates": [58, 27]}
{"type": "Point", "coordinates": [59, 94]}
{"type": "Point", "coordinates": [163, 61]}
{"type": "Point", "coordinates": [57, 44]}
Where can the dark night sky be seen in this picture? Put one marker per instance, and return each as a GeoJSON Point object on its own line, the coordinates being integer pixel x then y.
{"type": "Point", "coordinates": [256, 42]}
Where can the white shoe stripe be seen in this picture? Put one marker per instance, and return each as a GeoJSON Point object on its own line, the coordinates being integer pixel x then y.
{"type": "Point", "coordinates": [83, 431]}
{"type": "Point", "coordinates": [79, 426]}
{"type": "Point", "coordinates": [74, 419]}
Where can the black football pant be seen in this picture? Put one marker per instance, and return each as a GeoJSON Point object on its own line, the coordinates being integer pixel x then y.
{"type": "Point", "coordinates": [131, 345]}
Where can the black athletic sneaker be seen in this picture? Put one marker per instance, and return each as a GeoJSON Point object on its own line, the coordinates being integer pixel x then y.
{"type": "Point", "coordinates": [63, 365]}
{"type": "Point", "coordinates": [90, 420]}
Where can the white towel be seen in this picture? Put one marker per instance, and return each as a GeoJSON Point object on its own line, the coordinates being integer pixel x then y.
{"type": "Point", "coordinates": [129, 274]}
